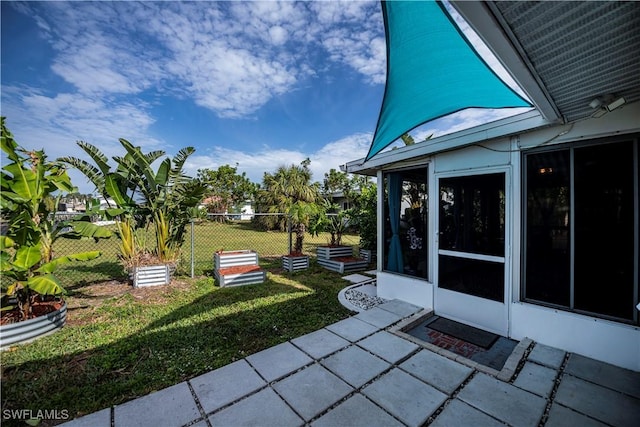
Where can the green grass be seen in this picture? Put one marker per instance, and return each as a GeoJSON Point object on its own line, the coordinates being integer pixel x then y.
{"type": "Point", "coordinates": [121, 343]}
{"type": "Point", "coordinates": [208, 237]}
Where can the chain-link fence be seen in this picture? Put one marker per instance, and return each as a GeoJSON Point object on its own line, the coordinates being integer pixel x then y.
{"type": "Point", "coordinates": [267, 234]}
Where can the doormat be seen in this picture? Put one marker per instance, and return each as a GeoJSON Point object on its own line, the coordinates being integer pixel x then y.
{"type": "Point", "coordinates": [464, 332]}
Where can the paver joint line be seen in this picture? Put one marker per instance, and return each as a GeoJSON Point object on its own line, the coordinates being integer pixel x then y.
{"type": "Point", "coordinates": [554, 389]}
{"type": "Point", "coordinates": [198, 404]}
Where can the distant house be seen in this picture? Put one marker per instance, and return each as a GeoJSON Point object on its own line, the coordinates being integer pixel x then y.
{"type": "Point", "coordinates": [529, 226]}
{"type": "Point", "coordinates": [339, 199]}
{"type": "Point", "coordinates": [243, 212]}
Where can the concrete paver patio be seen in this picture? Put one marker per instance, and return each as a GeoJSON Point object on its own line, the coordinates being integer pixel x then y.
{"type": "Point", "coordinates": [357, 372]}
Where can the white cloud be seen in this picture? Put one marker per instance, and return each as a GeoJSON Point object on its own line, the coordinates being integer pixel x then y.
{"type": "Point", "coordinates": [56, 123]}
{"type": "Point", "coordinates": [278, 35]}
{"type": "Point", "coordinates": [255, 164]}
{"type": "Point", "coordinates": [361, 45]}
{"type": "Point", "coordinates": [230, 57]}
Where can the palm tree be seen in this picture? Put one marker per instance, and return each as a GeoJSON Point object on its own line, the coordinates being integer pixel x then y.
{"type": "Point", "coordinates": [290, 190]}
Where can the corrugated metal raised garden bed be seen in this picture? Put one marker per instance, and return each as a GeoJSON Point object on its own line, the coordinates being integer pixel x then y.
{"type": "Point", "coordinates": [235, 268]}
{"type": "Point", "coordinates": [295, 262]}
{"type": "Point", "coordinates": [327, 252]}
{"type": "Point", "coordinates": [344, 264]}
{"type": "Point", "coordinates": [150, 275]}
{"type": "Point", "coordinates": [28, 330]}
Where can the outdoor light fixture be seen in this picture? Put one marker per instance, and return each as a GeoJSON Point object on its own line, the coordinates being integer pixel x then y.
{"type": "Point", "coordinates": [604, 104]}
{"type": "Point", "coordinates": [615, 104]}
{"type": "Point", "coordinates": [597, 102]}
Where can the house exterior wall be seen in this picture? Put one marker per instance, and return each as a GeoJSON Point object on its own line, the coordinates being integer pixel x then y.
{"type": "Point", "coordinates": [395, 286]}
{"type": "Point", "coordinates": [610, 341]}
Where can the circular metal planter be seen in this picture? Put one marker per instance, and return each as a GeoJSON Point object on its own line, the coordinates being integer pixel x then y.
{"type": "Point", "coordinates": [28, 330]}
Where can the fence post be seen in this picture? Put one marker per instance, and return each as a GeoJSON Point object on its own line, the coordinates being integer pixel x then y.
{"type": "Point", "coordinates": [193, 254]}
{"type": "Point", "coordinates": [290, 237]}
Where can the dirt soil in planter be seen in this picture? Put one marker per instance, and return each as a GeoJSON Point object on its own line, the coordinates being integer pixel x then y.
{"type": "Point", "coordinates": [39, 308]}
{"type": "Point", "coordinates": [238, 269]}
{"type": "Point", "coordinates": [223, 253]}
{"type": "Point", "coordinates": [295, 255]}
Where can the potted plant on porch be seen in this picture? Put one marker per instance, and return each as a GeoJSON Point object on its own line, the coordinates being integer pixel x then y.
{"type": "Point", "coordinates": [160, 200]}
{"type": "Point", "coordinates": [32, 303]}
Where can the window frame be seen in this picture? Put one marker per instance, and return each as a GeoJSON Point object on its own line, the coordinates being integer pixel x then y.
{"type": "Point", "coordinates": [502, 260]}
{"type": "Point", "coordinates": [571, 147]}
{"type": "Point", "coordinates": [426, 167]}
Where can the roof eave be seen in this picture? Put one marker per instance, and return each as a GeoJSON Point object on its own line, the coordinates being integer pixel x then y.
{"type": "Point", "coordinates": [485, 20]}
{"type": "Point", "coordinates": [498, 129]}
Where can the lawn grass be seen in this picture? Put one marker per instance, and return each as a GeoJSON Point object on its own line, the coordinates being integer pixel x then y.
{"type": "Point", "coordinates": [121, 343]}
{"type": "Point", "coordinates": [209, 236]}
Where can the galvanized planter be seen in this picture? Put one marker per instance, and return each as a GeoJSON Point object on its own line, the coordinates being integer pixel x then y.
{"type": "Point", "coordinates": [367, 255]}
{"type": "Point", "coordinates": [241, 275]}
{"type": "Point", "coordinates": [328, 252]}
{"type": "Point", "coordinates": [227, 259]}
{"type": "Point", "coordinates": [343, 266]}
{"type": "Point", "coordinates": [236, 268]}
{"type": "Point", "coordinates": [150, 275]}
{"type": "Point", "coordinates": [28, 330]}
{"type": "Point", "coordinates": [295, 263]}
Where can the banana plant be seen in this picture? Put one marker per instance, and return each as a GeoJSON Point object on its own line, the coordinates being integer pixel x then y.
{"type": "Point", "coordinates": [29, 182]}
{"type": "Point", "coordinates": [29, 275]}
{"type": "Point", "coordinates": [161, 198]}
{"type": "Point", "coordinates": [330, 219]}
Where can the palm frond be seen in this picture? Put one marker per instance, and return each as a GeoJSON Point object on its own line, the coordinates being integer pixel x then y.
{"type": "Point", "coordinates": [154, 155]}
{"type": "Point", "coordinates": [179, 160]}
{"type": "Point", "coordinates": [92, 173]}
{"type": "Point", "coordinates": [96, 155]}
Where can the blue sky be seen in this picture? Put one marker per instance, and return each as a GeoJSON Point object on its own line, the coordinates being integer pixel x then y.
{"type": "Point", "coordinates": [257, 84]}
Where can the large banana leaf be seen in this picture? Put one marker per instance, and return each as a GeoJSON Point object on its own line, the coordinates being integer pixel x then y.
{"type": "Point", "coordinates": [90, 171]}
{"type": "Point", "coordinates": [140, 160]}
{"type": "Point", "coordinates": [87, 229]}
{"type": "Point", "coordinates": [23, 185]}
{"type": "Point", "coordinates": [23, 229]}
{"type": "Point", "coordinates": [6, 242]}
{"type": "Point", "coordinates": [52, 265]}
{"type": "Point", "coordinates": [27, 256]}
{"type": "Point", "coordinates": [97, 156]}
{"type": "Point", "coordinates": [163, 172]}
{"type": "Point", "coordinates": [45, 284]}
{"type": "Point", "coordinates": [112, 187]}
{"type": "Point", "coordinates": [113, 212]}
{"type": "Point", "coordinates": [5, 261]}
{"type": "Point", "coordinates": [179, 160]}
{"type": "Point", "coordinates": [61, 181]}
{"type": "Point", "coordinates": [7, 143]}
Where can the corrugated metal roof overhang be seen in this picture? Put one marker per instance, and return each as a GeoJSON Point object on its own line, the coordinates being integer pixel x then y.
{"type": "Point", "coordinates": [563, 53]}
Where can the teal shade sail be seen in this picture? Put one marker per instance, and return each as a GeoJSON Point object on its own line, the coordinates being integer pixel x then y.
{"type": "Point", "coordinates": [432, 71]}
